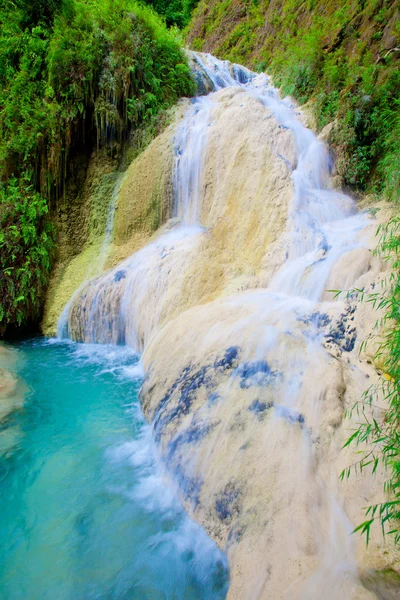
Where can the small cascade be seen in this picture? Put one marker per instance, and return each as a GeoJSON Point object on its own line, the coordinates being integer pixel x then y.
{"type": "Point", "coordinates": [323, 223]}
{"type": "Point", "coordinates": [320, 228]}
{"type": "Point", "coordinates": [222, 73]}
{"type": "Point", "coordinates": [105, 247]}
{"type": "Point", "coordinates": [113, 308]}
{"type": "Point", "coordinates": [63, 331]}
{"type": "Point", "coordinates": [190, 142]}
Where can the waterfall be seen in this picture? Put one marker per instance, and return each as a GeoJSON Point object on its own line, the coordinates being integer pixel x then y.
{"type": "Point", "coordinates": [190, 142]}
{"type": "Point", "coordinates": [113, 308]}
{"type": "Point", "coordinates": [109, 223]}
{"type": "Point", "coordinates": [140, 298]}
{"type": "Point", "coordinates": [323, 223]}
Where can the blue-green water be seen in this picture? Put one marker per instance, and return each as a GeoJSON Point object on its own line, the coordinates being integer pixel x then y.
{"type": "Point", "coordinates": [85, 510]}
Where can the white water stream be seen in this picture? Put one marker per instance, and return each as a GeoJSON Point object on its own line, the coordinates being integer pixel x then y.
{"type": "Point", "coordinates": [323, 225]}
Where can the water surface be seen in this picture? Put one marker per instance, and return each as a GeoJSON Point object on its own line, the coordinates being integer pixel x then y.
{"type": "Point", "coordinates": [86, 511]}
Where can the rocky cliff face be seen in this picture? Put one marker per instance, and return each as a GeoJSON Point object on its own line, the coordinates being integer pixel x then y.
{"type": "Point", "coordinates": [225, 256]}
{"type": "Point", "coordinates": [113, 213]}
{"type": "Point", "coordinates": [257, 452]}
{"type": "Point", "coordinates": [250, 363]}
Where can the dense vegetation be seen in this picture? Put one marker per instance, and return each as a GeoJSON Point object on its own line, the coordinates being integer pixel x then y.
{"type": "Point", "coordinates": [72, 73]}
{"type": "Point", "coordinates": [341, 56]}
{"type": "Point", "coordinates": [175, 12]}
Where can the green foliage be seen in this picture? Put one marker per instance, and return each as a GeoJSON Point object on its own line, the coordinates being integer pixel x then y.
{"type": "Point", "coordinates": [74, 73]}
{"type": "Point", "coordinates": [331, 55]}
{"type": "Point", "coordinates": [26, 247]}
{"type": "Point", "coordinates": [175, 12]}
{"type": "Point", "coordinates": [378, 433]}
{"type": "Point", "coordinates": [35, 11]}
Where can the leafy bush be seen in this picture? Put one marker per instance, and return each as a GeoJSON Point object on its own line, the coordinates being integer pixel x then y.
{"type": "Point", "coordinates": [74, 73]}
{"type": "Point", "coordinates": [175, 12]}
{"type": "Point", "coordinates": [26, 247]}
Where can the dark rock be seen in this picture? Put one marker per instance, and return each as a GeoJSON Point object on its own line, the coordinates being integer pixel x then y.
{"type": "Point", "coordinates": [236, 533]}
{"type": "Point", "coordinates": [290, 415]}
{"type": "Point", "coordinates": [190, 486]}
{"type": "Point", "coordinates": [185, 387]}
{"type": "Point", "coordinates": [344, 334]}
{"type": "Point", "coordinates": [192, 435]}
{"type": "Point", "coordinates": [260, 407]}
{"type": "Point", "coordinates": [248, 369]}
{"type": "Point", "coordinates": [257, 372]}
{"type": "Point", "coordinates": [229, 360]}
{"type": "Point", "coordinates": [214, 397]}
{"type": "Point", "coordinates": [119, 275]}
{"type": "Point", "coordinates": [228, 502]}
{"type": "Point", "coordinates": [384, 583]}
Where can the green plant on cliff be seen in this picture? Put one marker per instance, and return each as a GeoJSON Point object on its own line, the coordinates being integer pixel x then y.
{"type": "Point", "coordinates": [73, 73]}
{"type": "Point", "coordinates": [340, 56]}
{"type": "Point", "coordinates": [377, 436]}
{"type": "Point", "coordinates": [175, 12]}
{"type": "Point", "coordinates": [26, 246]}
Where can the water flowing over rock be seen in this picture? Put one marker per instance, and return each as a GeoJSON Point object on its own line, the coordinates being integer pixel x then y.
{"type": "Point", "coordinates": [250, 362]}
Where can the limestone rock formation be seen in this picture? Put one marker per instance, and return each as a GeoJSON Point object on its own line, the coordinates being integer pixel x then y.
{"type": "Point", "coordinates": [141, 197]}
{"type": "Point", "coordinates": [250, 361]}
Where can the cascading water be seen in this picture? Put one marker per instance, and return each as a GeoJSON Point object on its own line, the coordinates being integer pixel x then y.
{"type": "Point", "coordinates": [130, 304]}
{"type": "Point", "coordinates": [113, 308]}
{"type": "Point", "coordinates": [109, 223]}
{"type": "Point", "coordinates": [190, 142]}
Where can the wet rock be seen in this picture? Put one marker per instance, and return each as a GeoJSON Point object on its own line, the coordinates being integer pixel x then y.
{"type": "Point", "coordinates": [237, 422]}
{"type": "Point", "coordinates": [289, 415]}
{"type": "Point", "coordinates": [203, 82]}
{"type": "Point", "coordinates": [192, 435]}
{"type": "Point", "coordinates": [257, 373]}
{"type": "Point", "coordinates": [320, 319]}
{"type": "Point", "coordinates": [189, 485]}
{"type": "Point", "coordinates": [228, 502]}
{"type": "Point", "coordinates": [229, 360]}
{"type": "Point", "coordinates": [241, 74]}
{"type": "Point", "coordinates": [343, 333]}
{"type": "Point", "coordinates": [260, 407]}
{"type": "Point", "coordinates": [214, 397]}
{"type": "Point", "coordinates": [236, 533]}
{"type": "Point", "coordinates": [185, 387]}
{"type": "Point", "coordinates": [119, 275]}
{"type": "Point", "coordinates": [384, 583]}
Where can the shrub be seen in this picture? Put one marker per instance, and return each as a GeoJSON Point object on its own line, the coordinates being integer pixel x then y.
{"type": "Point", "coordinates": [72, 73]}
{"type": "Point", "coordinates": [26, 248]}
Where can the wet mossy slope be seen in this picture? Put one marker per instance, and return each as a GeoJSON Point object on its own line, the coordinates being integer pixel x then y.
{"type": "Point", "coordinates": [75, 75]}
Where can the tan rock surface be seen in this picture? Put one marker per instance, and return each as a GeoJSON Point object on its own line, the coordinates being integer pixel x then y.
{"type": "Point", "coordinates": [12, 395]}
{"type": "Point", "coordinates": [144, 193]}
{"type": "Point", "coordinates": [258, 454]}
{"type": "Point", "coordinates": [231, 250]}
